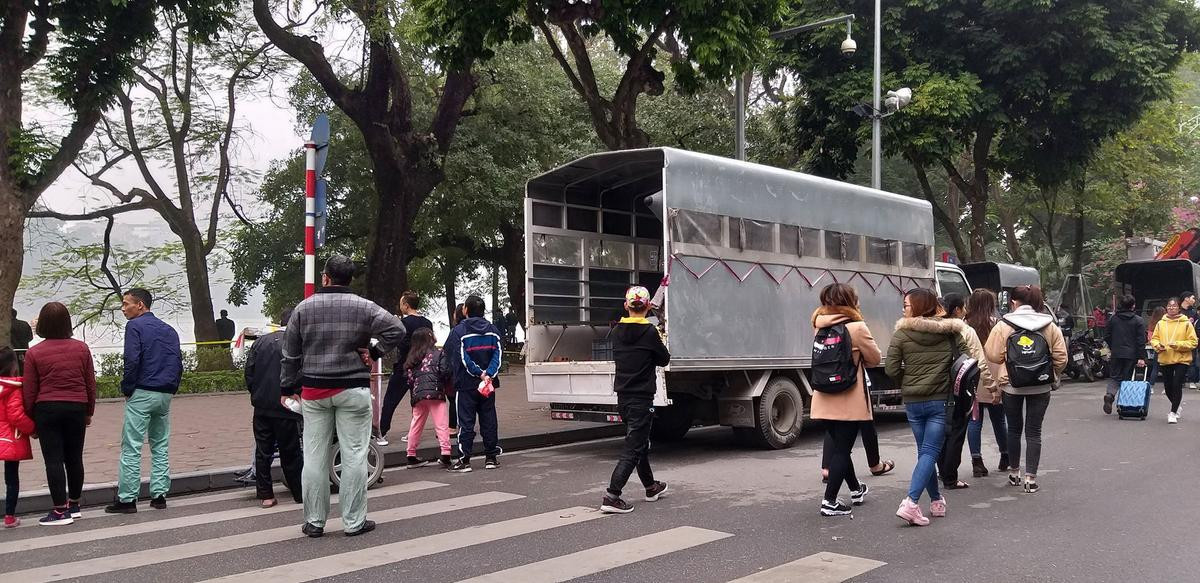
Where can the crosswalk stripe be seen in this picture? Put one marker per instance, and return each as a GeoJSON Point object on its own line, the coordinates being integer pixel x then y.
{"type": "Point", "coordinates": [603, 558]}
{"type": "Point", "coordinates": [108, 564]}
{"type": "Point", "coordinates": [822, 567]}
{"type": "Point", "coordinates": [83, 536]}
{"type": "Point", "coordinates": [341, 564]}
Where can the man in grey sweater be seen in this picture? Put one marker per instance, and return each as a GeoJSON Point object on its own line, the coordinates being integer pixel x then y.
{"type": "Point", "coordinates": [326, 354]}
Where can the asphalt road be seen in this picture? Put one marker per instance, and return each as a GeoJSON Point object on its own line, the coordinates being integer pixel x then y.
{"type": "Point", "coordinates": [1116, 505]}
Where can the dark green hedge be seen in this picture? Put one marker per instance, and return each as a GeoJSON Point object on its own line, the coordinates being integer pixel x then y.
{"type": "Point", "coordinates": [221, 381]}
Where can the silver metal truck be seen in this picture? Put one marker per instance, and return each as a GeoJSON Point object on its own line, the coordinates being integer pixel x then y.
{"type": "Point", "coordinates": [735, 254]}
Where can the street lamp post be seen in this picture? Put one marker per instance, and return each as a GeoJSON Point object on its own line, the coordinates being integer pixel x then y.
{"type": "Point", "coordinates": [895, 99]}
{"type": "Point", "coordinates": [876, 121]}
{"type": "Point", "coordinates": [739, 87]}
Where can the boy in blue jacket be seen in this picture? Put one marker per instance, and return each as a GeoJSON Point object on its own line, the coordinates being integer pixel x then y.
{"type": "Point", "coordinates": [472, 355]}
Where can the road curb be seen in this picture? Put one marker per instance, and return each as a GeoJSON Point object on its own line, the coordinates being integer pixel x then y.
{"type": "Point", "coordinates": [222, 478]}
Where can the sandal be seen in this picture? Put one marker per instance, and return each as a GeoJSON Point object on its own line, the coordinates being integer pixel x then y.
{"type": "Point", "coordinates": [959, 485]}
{"type": "Point", "coordinates": [269, 503]}
{"type": "Point", "coordinates": [888, 465]}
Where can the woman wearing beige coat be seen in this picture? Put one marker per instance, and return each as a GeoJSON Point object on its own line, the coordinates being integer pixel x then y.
{"type": "Point", "coordinates": [844, 411]}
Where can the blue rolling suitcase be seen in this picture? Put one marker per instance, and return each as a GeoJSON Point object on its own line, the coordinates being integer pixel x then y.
{"type": "Point", "coordinates": [1133, 400]}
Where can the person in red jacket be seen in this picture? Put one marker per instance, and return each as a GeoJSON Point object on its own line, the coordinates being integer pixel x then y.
{"type": "Point", "coordinates": [60, 395]}
{"type": "Point", "coordinates": [15, 429]}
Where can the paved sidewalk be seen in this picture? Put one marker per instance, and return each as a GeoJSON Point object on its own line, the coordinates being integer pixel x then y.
{"type": "Point", "coordinates": [212, 432]}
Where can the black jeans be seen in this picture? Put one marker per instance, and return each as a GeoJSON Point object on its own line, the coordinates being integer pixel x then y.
{"type": "Point", "coordinates": [12, 487]}
{"type": "Point", "coordinates": [1025, 412]}
{"type": "Point", "coordinates": [870, 441]}
{"type": "Point", "coordinates": [61, 427]}
{"type": "Point", "coordinates": [270, 430]}
{"type": "Point", "coordinates": [952, 448]}
{"type": "Point", "coordinates": [839, 437]}
{"type": "Point", "coordinates": [638, 415]}
{"type": "Point", "coordinates": [1174, 375]}
{"type": "Point", "coordinates": [470, 405]}
{"type": "Point", "coordinates": [396, 389]}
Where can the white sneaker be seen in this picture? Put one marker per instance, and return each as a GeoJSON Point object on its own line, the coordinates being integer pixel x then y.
{"type": "Point", "coordinates": [1172, 418]}
{"type": "Point", "coordinates": [1192, 386]}
{"type": "Point", "coordinates": [381, 441]}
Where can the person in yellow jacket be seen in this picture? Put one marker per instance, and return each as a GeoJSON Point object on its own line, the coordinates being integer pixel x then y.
{"type": "Point", "coordinates": [1174, 339]}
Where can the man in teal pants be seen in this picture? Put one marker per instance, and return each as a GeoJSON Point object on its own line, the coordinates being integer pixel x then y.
{"type": "Point", "coordinates": [326, 357]}
{"type": "Point", "coordinates": [153, 367]}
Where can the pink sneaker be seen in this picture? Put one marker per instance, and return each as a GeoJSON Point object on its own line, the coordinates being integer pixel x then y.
{"type": "Point", "coordinates": [937, 508]}
{"type": "Point", "coordinates": [11, 521]}
{"type": "Point", "coordinates": [911, 513]}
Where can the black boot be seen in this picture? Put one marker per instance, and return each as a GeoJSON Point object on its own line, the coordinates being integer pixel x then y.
{"type": "Point", "coordinates": [978, 468]}
{"type": "Point", "coordinates": [1003, 463]}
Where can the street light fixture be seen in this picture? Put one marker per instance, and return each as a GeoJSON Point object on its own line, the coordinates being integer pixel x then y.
{"type": "Point", "coordinates": [848, 47]}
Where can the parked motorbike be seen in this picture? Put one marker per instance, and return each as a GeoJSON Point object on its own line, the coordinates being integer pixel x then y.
{"type": "Point", "coordinates": [1086, 358]}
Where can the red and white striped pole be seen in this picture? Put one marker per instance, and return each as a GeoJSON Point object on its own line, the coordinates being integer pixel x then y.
{"type": "Point", "coordinates": [310, 218]}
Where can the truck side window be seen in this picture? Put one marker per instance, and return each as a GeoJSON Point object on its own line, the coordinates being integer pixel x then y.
{"type": "Point", "coordinates": [915, 255]}
{"type": "Point", "coordinates": [842, 246]}
{"type": "Point", "coordinates": [881, 251]}
{"type": "Point", "coordinates": [697, 227]}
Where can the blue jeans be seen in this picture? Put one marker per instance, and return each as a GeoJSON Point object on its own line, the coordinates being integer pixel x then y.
{"type": "Point", "coordinates": [928, 422]}
{"type": "Point", "coordinates": [999, 429]}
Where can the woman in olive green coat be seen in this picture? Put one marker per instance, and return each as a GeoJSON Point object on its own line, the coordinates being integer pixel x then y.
{"type": "Point", "coordinates": [919, 360]}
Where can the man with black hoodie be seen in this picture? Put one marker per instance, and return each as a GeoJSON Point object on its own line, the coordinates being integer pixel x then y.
{"type": "Point", "coordinates": [1126, 337]}
{"type": "Point", "coordinates": [273, 423]}
{"type": "Point", "coordinates": [637, 349]}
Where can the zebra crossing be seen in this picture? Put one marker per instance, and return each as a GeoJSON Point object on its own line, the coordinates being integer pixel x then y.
{"type": "Point", "coordinates": [120, 548]}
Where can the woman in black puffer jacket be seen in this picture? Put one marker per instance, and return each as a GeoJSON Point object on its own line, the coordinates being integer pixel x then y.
{"type": "Point", "coordinates": [427, 379]}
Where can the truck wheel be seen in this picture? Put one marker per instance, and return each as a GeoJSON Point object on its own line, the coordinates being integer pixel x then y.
{"type": "Point", "coordinates": [779, 414]}
{"type": "Point", "coordinates": [671, 423]}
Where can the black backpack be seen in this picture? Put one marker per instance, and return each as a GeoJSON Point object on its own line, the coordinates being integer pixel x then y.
{"type": "Point", "coordinates": [833, 366]}
{"type": "Point", "coordinates": [964, 382]}
{"type": "Point", "coordinates": [1027, 358]}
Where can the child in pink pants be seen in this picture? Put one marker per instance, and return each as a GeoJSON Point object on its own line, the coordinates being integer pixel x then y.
{"type": "Point", "coordinates": [423, 369]}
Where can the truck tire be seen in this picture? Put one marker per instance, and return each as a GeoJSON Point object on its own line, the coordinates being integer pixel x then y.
{"type": "Point", "coordinates": [779, 414]}
{"type": "Point", "coordinates": [672, 423]}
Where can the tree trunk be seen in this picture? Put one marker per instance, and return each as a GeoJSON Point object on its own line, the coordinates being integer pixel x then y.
{"type": "Point", "coordinates": [449, 278]}
{"type": "Point", "coordinates": [496, 310]}
{"type": "Point", "coordinates": [1077, 248]}
{"type": "Point", "coordinates": [204, 326]}
{"type": "Point", "coordinates": [1008, 223]}
{"type": "Point", "coordinates": [1012, 242]}
{"type": "Point", "coordinates": [12, 250]}
{"type": "Point", "coordinates": [979, 226]}
{"type": "Point", "coordinates": [513, 253]}
{"type": "Point", "coordinates": [949, 221]}
{"type": "Point", "coordinates": [401, 191]}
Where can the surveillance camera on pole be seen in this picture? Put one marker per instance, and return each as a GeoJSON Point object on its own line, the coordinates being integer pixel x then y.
{"type": "Point", "coordinates": [848, 47]}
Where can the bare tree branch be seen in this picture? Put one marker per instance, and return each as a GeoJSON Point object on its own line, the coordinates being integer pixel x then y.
{"type": "Point", "coordinates": [109, 212]}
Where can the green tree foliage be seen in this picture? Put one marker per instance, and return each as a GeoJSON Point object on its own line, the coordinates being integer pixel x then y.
{"type": "Point", "coordinates": [87, 50]}
{"type": "Point", "coordinates": [1025, 89]}
{"type": "Point", "coordinates": [704, 40]}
